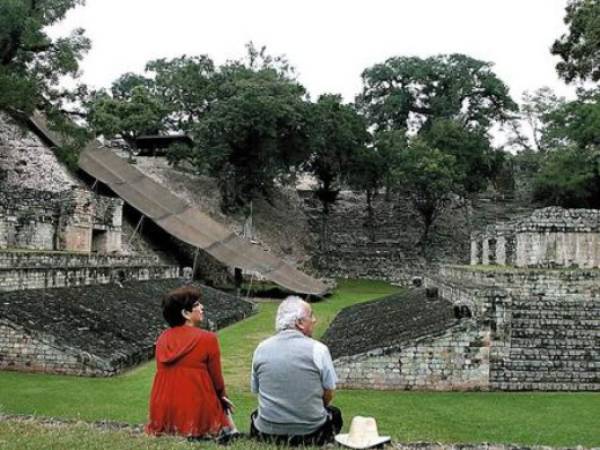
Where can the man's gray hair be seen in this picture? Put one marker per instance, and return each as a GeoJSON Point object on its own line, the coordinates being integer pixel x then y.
{"type": "Point", "coordinates": [290, 310]}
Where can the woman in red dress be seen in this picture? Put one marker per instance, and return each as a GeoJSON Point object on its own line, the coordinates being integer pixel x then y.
{"type": "Point", "coordinates": [188, 393]}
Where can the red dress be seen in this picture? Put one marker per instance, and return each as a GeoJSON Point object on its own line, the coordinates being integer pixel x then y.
{"type": "Point", "coordinates": [188, 384]}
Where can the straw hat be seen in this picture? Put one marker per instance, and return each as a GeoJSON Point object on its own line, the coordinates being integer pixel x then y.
{"type": "Point", "coordinates": [363, 434]}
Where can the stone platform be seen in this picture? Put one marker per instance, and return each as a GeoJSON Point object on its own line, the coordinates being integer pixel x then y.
{"type": "Point", "coordinates": [97, 330]}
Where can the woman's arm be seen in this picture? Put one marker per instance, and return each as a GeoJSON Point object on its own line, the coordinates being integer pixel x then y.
{"type": "Point", "coordinates": [214, 367]}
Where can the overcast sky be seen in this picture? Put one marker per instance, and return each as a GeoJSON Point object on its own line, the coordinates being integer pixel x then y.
{"type": "Point", "coordinates": [330, 42]}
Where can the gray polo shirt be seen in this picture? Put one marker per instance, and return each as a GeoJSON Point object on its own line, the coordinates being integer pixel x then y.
{"type": "Point", "coordinates": [289, 373]}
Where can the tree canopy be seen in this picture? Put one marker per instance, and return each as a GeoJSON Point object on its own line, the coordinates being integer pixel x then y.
{"type": "Point", "coordinates": [409, 92]}
{"type": "Point", "coordinates": [430, 177]}
{"type": "Point", "coordinates": [127, 115]}
{"type": "Point", "coordinates": [185, 87]}
{"type": "Point", "coordinates": [256, 130]}
{"type": "Point", "coordinates": [31, 63]}
{"type": "Point", "coordinates": [337, 135]}
{"type": "Point", "coordinates": [432, 118]}
{"type": "Point", "coordinates": [579, 48]}
{"type": "Point", "coordinates": [569, 175]}
{"type": "Point", "coordinates": [476, 161]}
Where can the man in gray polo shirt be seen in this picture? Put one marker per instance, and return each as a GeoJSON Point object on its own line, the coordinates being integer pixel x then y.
{"type": "Point", "coordinates": [294, 378]}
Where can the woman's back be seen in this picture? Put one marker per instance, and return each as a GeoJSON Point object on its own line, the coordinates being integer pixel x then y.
{"type": "Point", "coordinates": [188, 385]}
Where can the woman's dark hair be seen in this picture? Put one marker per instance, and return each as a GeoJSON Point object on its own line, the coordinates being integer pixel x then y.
{"type": "Point", "coordinates": [181, 298]}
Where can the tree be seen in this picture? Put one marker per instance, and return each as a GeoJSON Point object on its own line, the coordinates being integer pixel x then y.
{"type": "Point", "coordinates": [579, 48]}
{"type": "Point", "coordinates": [123, 87]}
{"type": "Point", "coordinates": [449, 101]}
{"type": "Point", "coordinates": [409, 92]}
{"type": "Point", "coordinates": [128, 114]}
{"type": "Point", "coordinates": [430, 177]}
{"type": "Point", "coordinates": [185, 87]}
{"type": "Point", "coordinates": [536, 108]}
{"type": "Point", "coordinates": [389, 145]}
{"type": "Point", "coordinates": [569, 178]}
{"type": "Point", "coordinates": [575, 122]}
{"type": "Point", "coordinates": [570, 173]}
{"type": "Point", "coordinates": [369, 171]}
{"type": "Point", "coordinates": [337, 132]}
{"type": "Point", "coordinates": [255, 131]}
{"type": "Point", "coordinates": [530, 139]}
{"type": "Point", "coordinates": [476, 162]}
{"type": "Point", "coordinates": [444, 106]}
{"type": "Point", "coordinates": [31, 63]}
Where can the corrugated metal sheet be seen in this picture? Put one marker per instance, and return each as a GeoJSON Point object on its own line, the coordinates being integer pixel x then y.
{"type": "Point", "coordinates": [182, 220]}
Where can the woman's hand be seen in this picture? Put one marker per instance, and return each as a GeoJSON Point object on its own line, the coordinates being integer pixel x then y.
{"type": "Point", "coordinates": [228, 405]}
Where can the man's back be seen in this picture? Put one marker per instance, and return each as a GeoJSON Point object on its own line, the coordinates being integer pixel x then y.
{"type": "Point", "coordinates": [290, 372]}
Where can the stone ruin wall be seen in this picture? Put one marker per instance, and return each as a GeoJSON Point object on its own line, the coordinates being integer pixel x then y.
{"type": "Point", "coordinates": [456, 360]}
{"type": "Point", "coordinates": [25, 351]}
{"type": "Point", "coordinates": [45, 208]}
{"type": "Point", "coordinates": [516, 340]}
{"type": "Point", "coordinates": [548, 345]}
{"type": "Point", "coordinates": [73, 220]}
{"type": "Point", "coordinates": [23, 270]}
{"type": "Point", "coordinates": [28, 219]}
{"type": "Point", "coordinates": [101, 339]}
{"type": "Point", "coordinates": [388, 249]}
{"type": "Point", "coordinates": [540, 328]}
{"type": "Point", "coordinates": [27, 163]}
{"type": "Point", "coordinates": [545, 324]}
{"type": "Point", "coordinates": [551, 237]}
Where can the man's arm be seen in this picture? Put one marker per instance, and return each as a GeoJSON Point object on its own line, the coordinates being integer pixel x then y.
{"type": "Point", "coordinates": [254, 376]}
{"type": "Point", "coordinates": [323, 361]}
{"type": "Point", "coordinates": [328, 396]}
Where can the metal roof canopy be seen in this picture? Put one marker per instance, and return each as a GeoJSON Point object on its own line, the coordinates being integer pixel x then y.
{"type": "Point", "coordinates": [161, 141]}
{"type": "Point", "coordinates": [186, 222]}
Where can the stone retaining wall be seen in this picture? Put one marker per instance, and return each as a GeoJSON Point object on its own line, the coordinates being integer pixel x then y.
{"type": "Point", "coordinates": [549, 237]}
{"type": "Point", "coordinates": [36, 352]}
{"type": "Point", "coordinates": [97, 330]}
{"type": "Point", "coordinates": [71, 220]}
{"type": "Point", "coordinates": [36, 270]}
{"type": "Point", "coordinates": [456, 360]}
{"type": "Point", "coordinates": [549, 345]}
{"type": "Point", "coordinates": [27, 163]}
{"type": "Point", "coordinates": [545, 324]}
{"type": "Point", "coordinates": [545, 282]}
{"type": "Point", "coordinates": [388, 246]}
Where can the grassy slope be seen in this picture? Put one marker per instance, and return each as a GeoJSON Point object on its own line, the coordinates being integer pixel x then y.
{"type": "Point", "coordinates": [558, 419]}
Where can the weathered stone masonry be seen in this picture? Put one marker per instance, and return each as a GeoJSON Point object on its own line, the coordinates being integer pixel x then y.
{"type": "Point", "coordinates": [550, 237]}
{"type": "Point", "coordinates": [545, 324]}
{"type": "Point", "coordinates": [520, 328]}
{"type": "Point", "coordinates": [409, 341]}
{"type": "Point", "coordinates": [96, 330]}
{"type": "Point", "coordinates": [37, 270]}
{"type": "Point", "coordinates": [73, 220]}
{"type": "Point", "coordinates": [458, 359]}
{"type": "Point", "coordinates": [386, 248]}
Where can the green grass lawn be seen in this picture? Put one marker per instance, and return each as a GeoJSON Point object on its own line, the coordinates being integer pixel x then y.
{"type": "Point", "coordinates": [558, 419]}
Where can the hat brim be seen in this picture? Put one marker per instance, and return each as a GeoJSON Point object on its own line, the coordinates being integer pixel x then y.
{"type": "Point", "coordinates": [344, 440]}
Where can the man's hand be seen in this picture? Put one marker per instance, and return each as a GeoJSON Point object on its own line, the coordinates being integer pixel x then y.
{"type": "Point", "coordinates": [328, 396]}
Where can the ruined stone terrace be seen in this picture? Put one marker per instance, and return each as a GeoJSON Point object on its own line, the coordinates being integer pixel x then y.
{"type": "Point", "coordinates": [96, 330]}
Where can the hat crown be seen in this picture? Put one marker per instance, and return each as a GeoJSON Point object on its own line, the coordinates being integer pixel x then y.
{"type": "Point", "coordinates": [363, 429]}
{"type": "Point", "coordinates": [363, 434]}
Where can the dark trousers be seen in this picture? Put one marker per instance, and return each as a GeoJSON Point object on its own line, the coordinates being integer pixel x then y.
{"type": "Point", "coordinates": [322, 436]}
